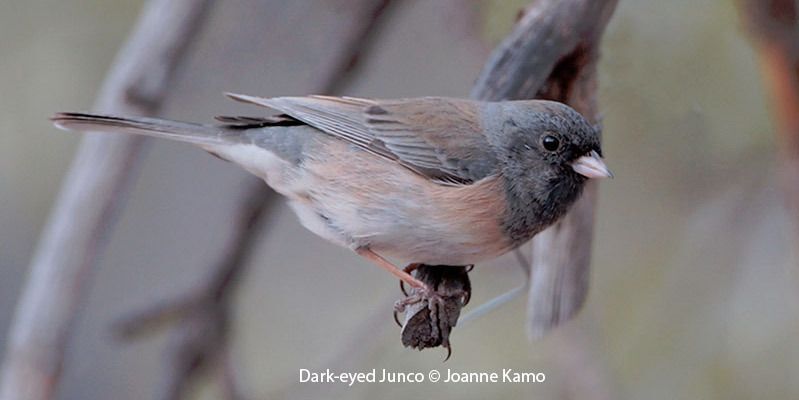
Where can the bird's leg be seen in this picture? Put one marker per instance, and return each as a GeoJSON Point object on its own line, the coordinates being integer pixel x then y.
{"type": "Point", "coordinates": [409, 269]}
{"type": "Point", "coordinates": [404, 276]}
{"type": "Point", "coordinates": [423, 291]}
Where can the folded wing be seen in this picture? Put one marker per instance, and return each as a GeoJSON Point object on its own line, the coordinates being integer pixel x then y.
{"type": "Point", "coordinates": [439, 138]}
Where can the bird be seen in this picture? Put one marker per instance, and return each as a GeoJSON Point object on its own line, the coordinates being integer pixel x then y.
{"type": "Point", "coordinates": [431, 180]}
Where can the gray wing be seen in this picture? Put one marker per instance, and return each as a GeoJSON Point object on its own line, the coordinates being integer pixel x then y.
{"type": "Point", "coordinates": [439, 138]}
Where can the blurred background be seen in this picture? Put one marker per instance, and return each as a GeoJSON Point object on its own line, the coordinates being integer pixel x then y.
{"type": "Point", "coordinates": [693, 287]}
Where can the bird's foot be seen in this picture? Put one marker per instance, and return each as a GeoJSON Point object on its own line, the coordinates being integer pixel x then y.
{"type": "Point", "coordinates": [433, 297]}
{"type": "Point", "coordinates": [432, 310]}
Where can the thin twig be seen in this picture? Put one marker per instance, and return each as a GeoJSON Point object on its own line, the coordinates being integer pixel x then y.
{"type": "Point", "coordinates": [498, 301]}
{"type": "Point", "coordinates": [90, 196]}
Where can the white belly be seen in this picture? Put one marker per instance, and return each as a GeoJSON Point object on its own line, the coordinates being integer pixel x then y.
{"type": "Point", "coordinates": [430, 242]}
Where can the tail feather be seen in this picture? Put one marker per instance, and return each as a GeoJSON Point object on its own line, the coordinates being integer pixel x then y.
{"type": "Point", "coordinates": [180, 131]}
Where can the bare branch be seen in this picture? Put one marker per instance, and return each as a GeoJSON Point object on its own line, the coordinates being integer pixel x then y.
{"type": "Point", "coordinates": [91, 193]}
{"type": "Point", "coordinates": [547, 31]}
{"type": "Point", "coordinates": [552, 54]}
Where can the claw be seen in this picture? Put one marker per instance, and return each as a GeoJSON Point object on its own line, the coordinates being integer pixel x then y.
{"type": "Point", "coordinates": [449, 352]}
{"type": "Point", "coordinates": [409, 268]}
{"type": "Point", "coordinates": [396, 319]}
{"type": "Point", "coordinates": [412, 267]}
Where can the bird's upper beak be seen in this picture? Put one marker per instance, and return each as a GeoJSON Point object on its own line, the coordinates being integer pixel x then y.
{"type": "Point", "coordinates": [592, 166]}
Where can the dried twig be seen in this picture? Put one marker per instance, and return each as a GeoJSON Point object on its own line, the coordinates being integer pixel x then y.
{"type": "Point", "coordinates": [552, 54]}
{"type": "Point", "coordinates": [774, 25]}
{"type": "Point", "coordinates": [201, 318]}
{"type": "Point", "coordinates": [91, 193]}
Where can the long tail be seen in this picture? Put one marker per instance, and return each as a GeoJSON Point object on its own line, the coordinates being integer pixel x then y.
{"type": "Point", "coordinates": [180, 131]}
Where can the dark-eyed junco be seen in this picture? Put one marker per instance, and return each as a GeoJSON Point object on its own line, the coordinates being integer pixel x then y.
{"type": "Point", "coordinates": [438, 181]}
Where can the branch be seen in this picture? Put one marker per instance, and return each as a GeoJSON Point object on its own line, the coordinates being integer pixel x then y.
{"type": "Point", "coordinates": [350, 355]}
{"type": "Point", "coordinates": [202, 319]}
{"type": "Point", "coordinates": [552, 54]}
{"type": "Point", "coordinates": [774, 26]}
{"type": "Point", "coordinates": [86, 206]}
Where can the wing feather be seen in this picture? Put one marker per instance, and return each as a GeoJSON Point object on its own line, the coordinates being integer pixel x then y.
{"type": "Point", "coordinates": [439, 138]}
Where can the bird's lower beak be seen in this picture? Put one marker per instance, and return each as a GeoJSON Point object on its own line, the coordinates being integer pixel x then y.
{"type": "Point", "coordinates": [592, 166]}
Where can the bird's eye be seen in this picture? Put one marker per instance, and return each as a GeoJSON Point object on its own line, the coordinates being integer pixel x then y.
{"type": "Point", "coordinates": [551, 143]}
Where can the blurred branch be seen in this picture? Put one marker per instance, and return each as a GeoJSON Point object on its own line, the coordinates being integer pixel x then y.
{"type": "Point", "coordinates": [86, 207]}
{"type": "Point", "coordinates": [552, 54]}
{"type": "Point", "coordinates": [774, 26]}
{"type": "Point", "coordinates": [575, 358]}
{"type": "Point", "coordinates": [362, 344]}
{"type": "Point", "coordinates": [201, 319]}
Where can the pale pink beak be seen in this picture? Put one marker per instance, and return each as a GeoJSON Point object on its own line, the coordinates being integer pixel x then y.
{"type": "Point", "coordinates": [592, 166]}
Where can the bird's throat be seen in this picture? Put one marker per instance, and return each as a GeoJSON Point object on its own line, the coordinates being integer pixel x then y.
{"type": "Point", "coordinates": [530, 212]}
